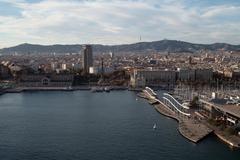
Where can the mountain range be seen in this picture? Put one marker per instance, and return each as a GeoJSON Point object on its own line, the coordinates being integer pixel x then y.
{"type": "Point", "coordinates": [141, 47]}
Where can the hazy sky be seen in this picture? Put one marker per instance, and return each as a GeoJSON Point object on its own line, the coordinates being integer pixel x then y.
{"type": "Point", "coordinates": [118, 21]}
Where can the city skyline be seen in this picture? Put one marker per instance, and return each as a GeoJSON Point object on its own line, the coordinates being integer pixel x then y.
{"type": "Point", "coordinates": [120, 79]}
{"type": "Point", "coordinates": [117, 22]}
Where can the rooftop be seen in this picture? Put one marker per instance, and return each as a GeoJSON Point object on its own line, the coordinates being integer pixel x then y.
{"type": "Point", "coordinates": [227, 108]}
{"type": "Point", "coordinates": [231, 109]}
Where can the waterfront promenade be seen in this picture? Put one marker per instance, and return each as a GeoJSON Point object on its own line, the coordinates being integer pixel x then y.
{"type": "Point", "coordinates": [188, 127]}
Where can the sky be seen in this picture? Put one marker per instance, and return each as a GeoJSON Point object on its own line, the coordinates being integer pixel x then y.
{"type": "Point", "coordinates": [118, 21]}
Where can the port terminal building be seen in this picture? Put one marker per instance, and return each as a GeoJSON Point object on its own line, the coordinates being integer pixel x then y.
{"type": "Point", "coordinates": [219, 109]}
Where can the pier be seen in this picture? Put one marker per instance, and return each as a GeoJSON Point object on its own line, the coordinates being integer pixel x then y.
{"type": "Point", "coordinates": [188, 127]}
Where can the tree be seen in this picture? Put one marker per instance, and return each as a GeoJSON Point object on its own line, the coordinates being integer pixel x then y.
{"type": "Point", "coordinates": [194, 103]}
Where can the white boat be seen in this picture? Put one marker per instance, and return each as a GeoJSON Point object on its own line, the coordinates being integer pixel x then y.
{"type": "Point", "coordinates": [155, 126]}
{"type": "Point", "coordinates": [97, 89]}
{"type": "Point", "coordinates": [107, 89]}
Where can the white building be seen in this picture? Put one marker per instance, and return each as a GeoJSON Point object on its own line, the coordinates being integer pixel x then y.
{"type": "Point", "coordinates": [93, 70]}
{"type": "Point", "coordinates": [54, 65]}
{"type": "Point", "coordinates": [64, 66]}
{"type": "Point", "coordinates": [152, 78]}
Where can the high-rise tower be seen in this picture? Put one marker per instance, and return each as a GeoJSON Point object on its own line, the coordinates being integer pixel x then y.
{"type": "Point", "coordinates": [87, 57]}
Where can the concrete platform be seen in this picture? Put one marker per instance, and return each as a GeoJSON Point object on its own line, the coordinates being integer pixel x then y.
{"type": "Point", "coordinates": [188, 128]}
{"type": "Point", "coordinates": [194, 131]}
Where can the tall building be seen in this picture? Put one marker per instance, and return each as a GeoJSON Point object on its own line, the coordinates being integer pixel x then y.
{"type": "Point", "coordinates": [87, 58]}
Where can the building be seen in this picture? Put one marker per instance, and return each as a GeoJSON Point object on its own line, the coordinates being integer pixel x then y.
{"type": "Point", "coordinates": [203, 75]}
{"type": "Point", "coordinates": [93, 70]}
{"type": "Point", "coordinates": [234, 74]}
{"type": "Point", "coordinates": [186, 75]}
{"type": "Point", "coordinates": [219, 109]}
{"type": "Point", "coordinates": [87, 58]}
{"type": "Point", "coordinates": [158, 78]}
{"type": "Point", "coordinates": [4, 72]}
{"type": "Point", "coordinates": [76, 66]}
{"type": "Point", "coordinates": [46, 80]}
{"type": "Point", "coordinates": [54, 66]}
{"type": "Point", "coordinates": [199, 75]}
{"type": "Point", "coordinates": [64, 66]}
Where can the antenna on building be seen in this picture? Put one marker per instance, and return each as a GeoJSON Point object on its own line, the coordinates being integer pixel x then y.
{"type": "Point", "coordinates": [140, 38]}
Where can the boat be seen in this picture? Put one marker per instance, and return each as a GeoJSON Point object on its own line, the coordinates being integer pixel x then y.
{"type": "Point", "coordinates": [97, 89]}
{"type": "Point", "coordinates": [107, 89]}
{"type": "Point", "coordinates": [93, 89]}
{"type": "Point", "coordinates": [155, 126]}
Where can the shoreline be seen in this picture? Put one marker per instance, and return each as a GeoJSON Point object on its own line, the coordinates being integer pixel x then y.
{"type": "Point", "coordinates": [223, 139]}
{"type": "Point", "coordinates": [75, 88]}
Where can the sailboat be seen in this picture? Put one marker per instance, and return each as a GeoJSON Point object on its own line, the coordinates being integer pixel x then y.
{"type": "Point", "coordinates": [155, 126]}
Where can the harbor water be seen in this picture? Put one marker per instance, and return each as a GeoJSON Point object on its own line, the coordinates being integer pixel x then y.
{"type": "Point", "coordinates": [101, 126]}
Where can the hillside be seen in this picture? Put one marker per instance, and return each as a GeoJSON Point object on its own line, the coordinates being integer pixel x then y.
{"type": "Point", "coordinates": [141, 47]}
